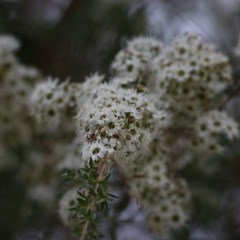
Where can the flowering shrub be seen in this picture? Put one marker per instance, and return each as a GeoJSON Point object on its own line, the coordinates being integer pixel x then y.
{"type": "Point", "coordinates": [160, 109]}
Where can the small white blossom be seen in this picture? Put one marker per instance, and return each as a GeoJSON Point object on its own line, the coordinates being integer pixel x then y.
{"type": "Point", "coordinates": [96, 151]}
{"type": "Point", "coordinates": [215, 122]}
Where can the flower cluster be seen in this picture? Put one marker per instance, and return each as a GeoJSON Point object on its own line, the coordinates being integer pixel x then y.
{"type": "Point", "coordinates": [116, 123]}
{"type": "Point", "coordinates": [165, 199]}
{"type": "Point", "coordinates": [188, 77]}
{"type": "Point", "coordinates": [22, 147]}
{"type": "Point", "coordinates": [209, 126]}
{"type": "Point", "coordinates": [51, 101]}
{"type": "Point", "coordinates": [16, 84]}
{"type": "Point", "coordinates": [190, 74]}
{"type": "Point", "coordinates": [131, 64]}
{"type": "Point", "coordinates": [158, 109]}
{"type": "Point", "coordinates": [169, 208]}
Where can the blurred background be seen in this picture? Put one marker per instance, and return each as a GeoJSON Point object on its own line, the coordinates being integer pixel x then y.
{"type": "Point", "coordinates": [74, 38]}
{"type": "Point", "coordinates": [69, 37]}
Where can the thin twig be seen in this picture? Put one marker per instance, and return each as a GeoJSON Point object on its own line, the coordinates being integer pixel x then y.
{"type": "Point", "coordinates": [101, 169]}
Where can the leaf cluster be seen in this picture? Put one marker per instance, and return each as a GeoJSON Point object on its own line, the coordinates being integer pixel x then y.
{"type": "Point", "coordinates": [93, 197]}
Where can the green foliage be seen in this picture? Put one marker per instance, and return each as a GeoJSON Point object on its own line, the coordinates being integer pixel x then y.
{"type": "Point", "coordinates": [93, 197]}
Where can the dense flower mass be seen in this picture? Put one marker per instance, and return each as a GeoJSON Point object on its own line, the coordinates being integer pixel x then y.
{"type": "Point", "coordinates": [190, 74]}
{"type": "Point", "coordinates": [131, 65]}
{"type": "Point", "coordinates": [140, 119]}
{"type": "Point", "coordinates": [52, 100]}
{"type": "Point", "coordinates": [116, 123]}
{"type": "Point", "coordinates": [209, 126]}
{"type": "Point", "coordinates": [188, 77]}
{"type": "Point", "coordinates": [159, 110]}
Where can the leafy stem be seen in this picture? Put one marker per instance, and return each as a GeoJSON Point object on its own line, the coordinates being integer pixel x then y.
{"type": "Point", "coordinates": [93, 197]}
{"type": "Point", "coordinates": [93, 203]}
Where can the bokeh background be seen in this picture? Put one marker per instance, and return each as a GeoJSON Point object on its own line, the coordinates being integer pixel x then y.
{"type": "Point", "coordinates": [69, 38]}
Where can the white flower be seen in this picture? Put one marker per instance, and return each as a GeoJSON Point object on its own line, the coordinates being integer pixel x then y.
{"type": "Point", "coordinates": [215, 122]}
{"type": "Point", "coordinates": [91, 83]}
{"type": "Point", "coordinates": [148, 46]}
{"type": "Point", "coordinates": [50, 101]}
{"type": "Point", "coordinates": [96, 151]}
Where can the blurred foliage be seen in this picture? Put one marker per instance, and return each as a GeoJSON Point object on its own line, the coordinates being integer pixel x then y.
{"type": "Point", "coordinates": [83, 40]}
